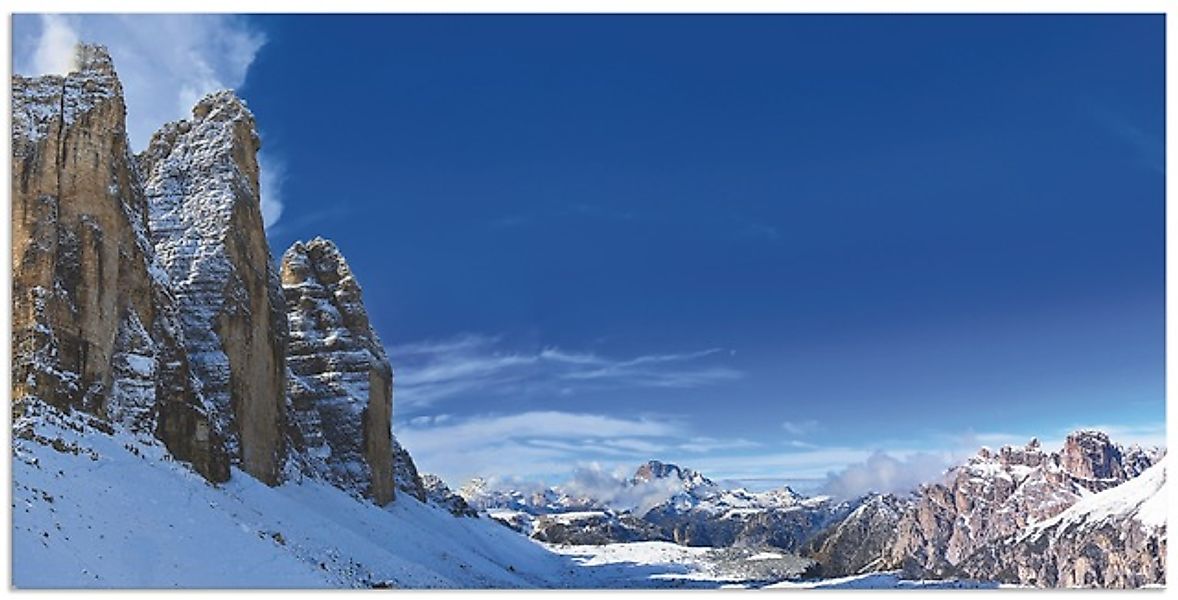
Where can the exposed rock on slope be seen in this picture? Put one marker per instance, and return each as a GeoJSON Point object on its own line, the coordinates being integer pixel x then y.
{"type": "Point", "coordinates": [405, 475]}
{"type": "Point", "coordinates": [201, 183]}
{"type": "Point", "coordinates": [341, 381]}
{"type": "Point", "coordinates": [593, 528]}
{"type": "Point", "coordinates": [993, 496]}
{"type": "Point", "coordinates": [999, 494]}
{"type": "Point", "coordinates": [94, 324]}
{"type": "Point", "coordinates": [439, 494]}
{"type": "Point", "coordinates": [858, 543]}
{"type": "Point", "coordinates": [1114, 539]}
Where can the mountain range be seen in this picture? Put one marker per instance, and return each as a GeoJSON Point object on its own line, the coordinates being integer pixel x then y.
{"type": "Point", "coordinates": [1006, 500]}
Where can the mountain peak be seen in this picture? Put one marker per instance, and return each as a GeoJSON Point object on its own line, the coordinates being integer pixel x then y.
{"type": "Point", "coordinates": [223, 105]}
{"type": "Point", "coordinates": [92, 58]}
{"type": "Point", "coordinates": [655, 469]}
{"type": "Point", "coordinates": [1090, 454]}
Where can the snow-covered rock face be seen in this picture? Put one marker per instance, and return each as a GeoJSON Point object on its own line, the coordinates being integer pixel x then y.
{"type": "Point", "coordinates": [652, 470]}
{"type": "Point", "coordinates": [699, 512]}
{"type": "Point", "coordinates": [859, 542]}
{"type": "Point", "coordinates": [201, 183]}
{"type": "Point", "coordinates": [341, 382]}
{"type": "Point", "coordinates": [146, 294]}
{"type": "Point", "coordinates": [95, 326]}
{"type": "Point", "coordinates": [999, 494]}
{"type": "Point", "coordinates": [1112, 539]}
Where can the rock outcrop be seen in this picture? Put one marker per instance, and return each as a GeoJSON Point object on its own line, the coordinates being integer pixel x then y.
{"type": "Point", "coordinates": [201, 183]}
{"type": "Point", "coordinates": [994, 496]}
{"type": "Point", "coordinates": [439, 494]}
{"type": "Point", "coordinates": [860, 541]}
{"type": "Point", "coordinates": [405, 476]}
{"type": "Point", "coordinates": [341, 382]}
{"type": "Point", "coordinates": [145, 295]}
{"type": "Point", "coordinates": [1113, 539]}
{"type": "Point", "coordinates": [998, 494]}
{"type": "Point", "coordinates": [95, 325]}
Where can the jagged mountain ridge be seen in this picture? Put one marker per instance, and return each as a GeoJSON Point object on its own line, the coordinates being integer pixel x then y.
{"type": "Point", "coordinates": [687, 508]}
{"type": "Point", "coordinates": [994, 496]}
{"type": "Point", "coordinates": [1113, 539]}
{"type": "Point", "coordinates": [941, 530]}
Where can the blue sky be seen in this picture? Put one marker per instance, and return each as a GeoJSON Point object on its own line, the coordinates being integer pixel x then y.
{"type": "Point", "coordinates": [762, 246]}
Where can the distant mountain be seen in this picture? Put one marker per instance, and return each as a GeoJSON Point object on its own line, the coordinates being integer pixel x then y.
{"type": "Point", "coordinates": [690, 509]}
{"type": "Point", "coordinates": [703, 513]}
{"type": "Point", "coordinates": [482, 495]}
{"type": "Point", "coordinates": [993, 496]}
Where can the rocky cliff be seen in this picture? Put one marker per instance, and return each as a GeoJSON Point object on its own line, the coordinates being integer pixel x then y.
{"type": "Point", "coordinates": [201, 183]}
{"type": "Point", "coordinates": [994, 496]}
{"type": "Point", "coordinates": [1113, 539]}
{"type": "Point", "coordinates": [997, 494]}
{"type": "Point", "coordinates": [146, 297]}
{"type": "Point", "coordinates": [95, 325]}
{"type": "Point", "coordinates": [341, 382]}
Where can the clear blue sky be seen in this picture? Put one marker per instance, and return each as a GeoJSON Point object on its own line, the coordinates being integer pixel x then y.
{"type": "Point", "coordinates": [760, 245]}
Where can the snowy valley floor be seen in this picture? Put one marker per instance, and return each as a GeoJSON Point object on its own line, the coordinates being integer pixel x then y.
{"type": "Point", "coordinates": [101, 511]}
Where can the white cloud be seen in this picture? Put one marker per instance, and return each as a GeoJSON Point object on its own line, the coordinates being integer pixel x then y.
{"type": "Point", "coordinates": [54, 52]}
{"type": "Point", "coordinates": [431, 371]}
{"type": "Point", "coordinates": [614, 488]}
{"type": "Point", "coordinates": [884, 473]}
{"type": "Point", "coordinates": [273, 173]}
{"type": "Point", "coordinates": [166, 63]}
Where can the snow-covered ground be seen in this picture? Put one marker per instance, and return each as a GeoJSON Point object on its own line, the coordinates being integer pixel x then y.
{"type": "Point", "coordinates": [887, 579]}
{"type": "Point", "coordinates": [115, 511]}
{"type": "Point", "coordinates": [92, 509]}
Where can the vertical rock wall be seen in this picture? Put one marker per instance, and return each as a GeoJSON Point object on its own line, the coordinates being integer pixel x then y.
{"type": "Point", "coordinates": [95, 326]}
{"type": "Point", "coordinates": [341, 381]}
{"type": "Point", "coordinates": [201, 183]}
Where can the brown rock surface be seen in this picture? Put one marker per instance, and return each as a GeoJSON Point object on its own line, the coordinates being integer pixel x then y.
{"type": "Point", "coordinates": [94, 324]}
{"type": "Point", "coordinates": [341, 383]}
{"type": "Point", "coordinates": [201, 182]}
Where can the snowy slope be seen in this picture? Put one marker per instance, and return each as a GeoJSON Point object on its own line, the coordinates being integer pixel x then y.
{"type": "Point", "coordinates": [114, 511]}
{"type": "Point", "coordinates": [884, 580]}
{"type": "Point", "coordinates": [1141, 499]}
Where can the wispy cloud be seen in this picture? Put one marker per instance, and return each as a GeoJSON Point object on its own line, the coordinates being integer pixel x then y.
{"type": "Point", "coordinates": [166, 63]}
{"type": "Point", "coordinates": [587, 451]}
{"type": "Point", "coordinates": [531, 444]}
{"type": "Point", "coordinates": [428, 372]}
